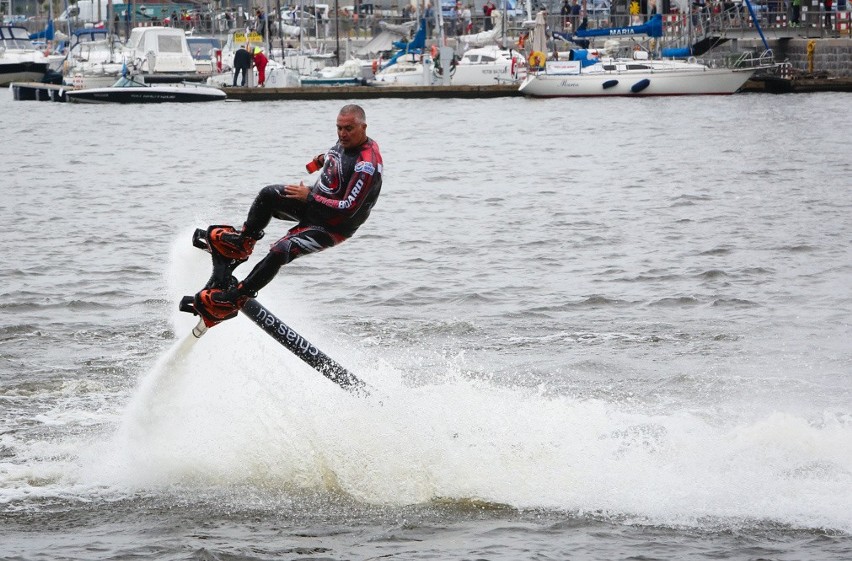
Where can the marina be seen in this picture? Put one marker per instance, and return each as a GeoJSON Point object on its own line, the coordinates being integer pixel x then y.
{"type": "Point", "coordinates": [34, 91]}
{"type": "Point", "coordinates": [670, 54]}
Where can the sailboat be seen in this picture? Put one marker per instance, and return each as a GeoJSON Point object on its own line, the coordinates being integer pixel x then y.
{"type": "Point", "coordinates": [591, 72]}
{"type": "Point", "coordinates": [408, 66]}
{"type": "Point", "coordinates": [485, 64]}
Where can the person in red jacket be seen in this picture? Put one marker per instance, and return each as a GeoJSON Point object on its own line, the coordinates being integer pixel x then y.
{"type": "Point", "coordinates": [827, 7]}
{"type": "Point", "coordinates": [260, 61]}
{"type": "Point", "coordinates": [326, 214]}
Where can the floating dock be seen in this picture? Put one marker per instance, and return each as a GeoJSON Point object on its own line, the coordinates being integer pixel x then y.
{"type": "Point", "coordinates": [371, 92]}
{"type": "Point", "coordinates": [37, 91]}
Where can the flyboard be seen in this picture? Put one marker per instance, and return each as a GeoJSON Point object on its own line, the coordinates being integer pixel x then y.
{"type": "Point", "coordinates": [223, 278]}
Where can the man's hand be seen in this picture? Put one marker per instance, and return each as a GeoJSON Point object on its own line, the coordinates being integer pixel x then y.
{"type": "Point", "coordinates": [299, 191]}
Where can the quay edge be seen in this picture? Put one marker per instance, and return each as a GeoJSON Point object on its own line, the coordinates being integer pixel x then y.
{"type": "Point", "coordinates": [371, 92]}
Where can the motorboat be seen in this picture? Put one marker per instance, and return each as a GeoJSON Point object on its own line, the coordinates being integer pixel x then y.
{"type": "Point", "coordinates": [20, 61]}
{"type": "Point", "coordinates": [95, 59]}
{"type": "Point", "coordinates": [98, 60]}
{"type": "Point", "coordinates": [588, 75]}
{"type": "Point", "coordinates": [134, 90]}
{"type": "Point", "coordinates": [350, 73]}
{"type": "Point", "coordinates": [160, 50]}
{"type": "Point", "coordinates": [206, 52]}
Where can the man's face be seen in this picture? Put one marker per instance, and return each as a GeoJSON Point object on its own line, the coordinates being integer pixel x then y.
{"type": "Point", "coordinates": [350, 132]}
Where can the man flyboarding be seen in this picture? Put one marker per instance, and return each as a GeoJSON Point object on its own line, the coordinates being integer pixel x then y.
{"type": "Point", "coordinates": [326, 214]}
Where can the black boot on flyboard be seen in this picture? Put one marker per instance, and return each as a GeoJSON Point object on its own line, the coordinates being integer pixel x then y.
{"type": "Point", "coordinates": [222, 296]}
{"type": "Point", "coordinates": [231, 243]}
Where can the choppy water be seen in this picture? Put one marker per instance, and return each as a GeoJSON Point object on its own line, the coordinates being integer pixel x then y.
{"type": "Point", "coordinates": [602, 329]}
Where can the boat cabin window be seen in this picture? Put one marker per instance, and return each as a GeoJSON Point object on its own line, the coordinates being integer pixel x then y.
{"type": "Point", "coordinates": [15, 38]}
{"type": "Point", "coordinates": [170, 44]}
{"type": "Point", "coordinates": [202, 48]}
{"type": "Point", "coordinates": [486, 58]}
{"type": "Point", "coordinates": [638, 67]}
{"type": "Point", "coordinates": [89, 36]}
{"type": "Point", "coordinates": [472, 58]}
{"type": "Point", "coordinates": [609, 67]}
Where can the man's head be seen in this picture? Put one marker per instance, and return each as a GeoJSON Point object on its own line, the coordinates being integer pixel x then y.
{"type": "Point", "coordinates": [351, 126]}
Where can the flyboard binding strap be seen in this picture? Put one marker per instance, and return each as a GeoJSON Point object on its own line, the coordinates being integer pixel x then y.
{"type": "Point", "coordinates": [223, 278]}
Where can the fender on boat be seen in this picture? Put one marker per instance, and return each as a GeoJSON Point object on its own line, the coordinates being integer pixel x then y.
{"type": "Point", "coordinates": [610, 84]}
{"type": "Point", "coordinates": [640, 85]}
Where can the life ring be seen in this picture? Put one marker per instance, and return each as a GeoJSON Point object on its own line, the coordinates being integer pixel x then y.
{"type": "Point", "coordinates": [537, 59]}
{"type": "Point", "coordinates": [434, 52]}
{"type": "Point", "coordinates": [375, 65]}
{"type": "Point", "coordinates": [218, 60]}
{"type": "Point", "coordinates": [692, 60]}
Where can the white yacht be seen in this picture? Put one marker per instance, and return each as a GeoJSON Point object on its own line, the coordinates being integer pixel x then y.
{"type": "Point", "coordinates": [638, 76]}
{"type": "Point", "coordinates": [20, 61]}
{"type": "Point", "coordinates": [159, 50]}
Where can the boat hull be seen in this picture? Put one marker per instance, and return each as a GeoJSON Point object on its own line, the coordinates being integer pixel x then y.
{"type": "Point", "coordinates": [162, 94]}
{"type": "Point", "coordinates": [710, 81]}
{"type": "Point", "coordinates": [24, 71]}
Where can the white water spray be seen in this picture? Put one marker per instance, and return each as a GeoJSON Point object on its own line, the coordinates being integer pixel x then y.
{"type": "Point", "coordinates": [234, 408]}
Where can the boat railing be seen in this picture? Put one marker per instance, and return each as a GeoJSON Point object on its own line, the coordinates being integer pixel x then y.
{"type": "Point", "coordinates": [749, 59]}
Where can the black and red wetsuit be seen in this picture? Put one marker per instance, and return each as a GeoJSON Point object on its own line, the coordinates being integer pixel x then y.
{"type": "Point", "coordinates": [339, 202]}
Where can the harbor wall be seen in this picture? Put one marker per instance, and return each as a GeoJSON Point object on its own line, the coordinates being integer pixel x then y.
{"type": "Point", "coordinates": [830, 56]}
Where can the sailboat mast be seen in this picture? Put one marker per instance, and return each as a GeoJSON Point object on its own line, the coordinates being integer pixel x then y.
{"type": "Point", "coordinates": [278, 22]}
{"type": "Point", "coordinates": [336, 33]}
{"type": "Point", "coordinates": [268, 39]}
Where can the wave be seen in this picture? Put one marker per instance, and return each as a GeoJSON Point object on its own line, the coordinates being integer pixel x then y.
{"type": "Point", "coordinates": [676, 302]}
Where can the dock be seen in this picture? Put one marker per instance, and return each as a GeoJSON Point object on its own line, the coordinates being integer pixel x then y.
{"type": "Point", "coordinates": [307, 93]}
{"type": "Point", "coordinates": [808, 84]}
{"type": "Point", "coordinates": [36, 91]}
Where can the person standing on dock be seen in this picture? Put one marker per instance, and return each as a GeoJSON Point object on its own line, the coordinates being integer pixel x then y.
{"type": "Point", "coordinates": [487, 9]}
{"type": "Point", "coordinates": [826, 4]}
{"type": "Point", "coordinates": [260, 62]}
{"type": "Point", "coordinates": [242, 64]}
{"type": "Point", "coordinates": [575, 15]}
